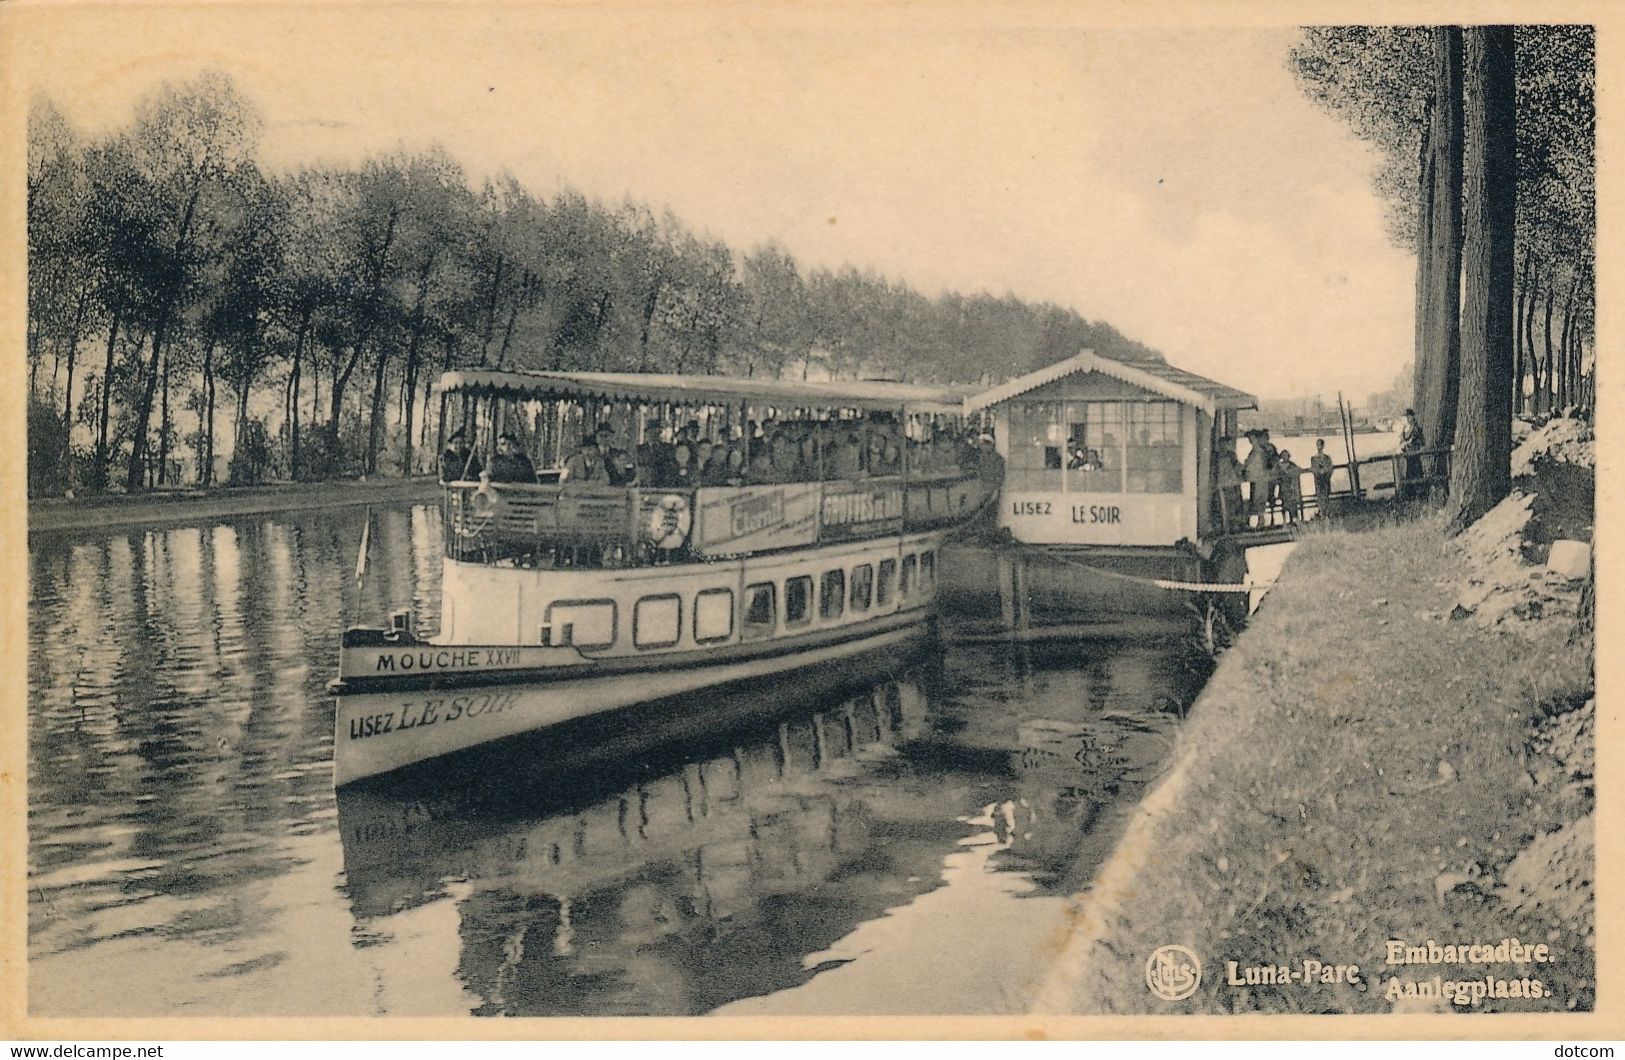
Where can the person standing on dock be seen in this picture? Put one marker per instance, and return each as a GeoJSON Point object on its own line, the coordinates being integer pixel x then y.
{"type": "Point", "coordinates": [1411, 440]}
{"type": "Point", "coordinates": [1227, 475]}
{"type": "Point", "coordinates": [989, 468]}
{"type": "Point", "coordinates": [1320, 466]}
{"type": "Point", "coordinates": [1271, 457]}
{"type": "Point", "coordinates": [1288, 480]}
{"type": "Point", "coordinates": [1259, 477]}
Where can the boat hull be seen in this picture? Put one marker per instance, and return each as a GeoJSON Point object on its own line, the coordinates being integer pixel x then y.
{"type": "Point", "coordinates": [386, 724]}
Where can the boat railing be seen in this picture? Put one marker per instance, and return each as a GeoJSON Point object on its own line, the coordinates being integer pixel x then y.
{"type": "Point", "coordinates": [564, 524]}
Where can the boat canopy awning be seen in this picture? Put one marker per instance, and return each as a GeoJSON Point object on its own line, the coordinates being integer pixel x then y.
{"type": "Point", "coordinates": [1182, 386]}
{"type": "Point", "coordinates": [651, 388]}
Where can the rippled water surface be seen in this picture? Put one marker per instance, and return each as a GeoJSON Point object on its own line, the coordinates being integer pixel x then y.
{"type": "Point", "coordinates": [899, 840]}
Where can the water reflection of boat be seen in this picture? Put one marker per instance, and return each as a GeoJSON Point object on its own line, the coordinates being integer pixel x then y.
{"type": "Point", "coordinates": [656, 891]}
{"type": "Point", "coordinates": [727, 864]}
{"type": "Point", "coordinates": [600, 592]}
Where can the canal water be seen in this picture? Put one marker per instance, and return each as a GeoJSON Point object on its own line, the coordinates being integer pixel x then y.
{"type": "Point", "coordinates": [899, 841]}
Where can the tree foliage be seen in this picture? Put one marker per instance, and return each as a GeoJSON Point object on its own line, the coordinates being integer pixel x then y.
{"type": "Point", "coordinates": [1378, 81]}
{"type": "Point", "coordinates": [324, 301]}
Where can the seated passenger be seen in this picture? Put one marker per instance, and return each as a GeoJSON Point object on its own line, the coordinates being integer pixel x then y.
{"type": "Point", "coordinates": [808, 443]}
{"type": "Point", "coordinates": [511, 464]}
{"type": "Point", "coordinates": [458, 463]}
{"type": "Point", "coordinates": [785, 458]}
{"type": "Point", "coordinates": [586, 466]}
{"type": "Point", "coordinates": [736, 466]}
{"type": "Point", "coordinates": [989, 465]}
{"type": "Point", "coordinates": [761, 464]}
{"type": "Point", "coordinates": [653, 456]}
{"type": "Point", "coordinates": [847, 458]}
{"type": "Point", "coordinates": [715, 471]}
{"type": "Point", "coordinates": [682, 467]}
{"type": "Point", "coordinates": [617, 461]}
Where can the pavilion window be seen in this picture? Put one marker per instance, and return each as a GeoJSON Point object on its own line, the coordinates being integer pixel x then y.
{"type": "Point", "coordinates": [1154, 457]}
{"type": "Point", "coordinates": [1036, 448]}
{"type": "Point", "coordinates": [1094, 447]}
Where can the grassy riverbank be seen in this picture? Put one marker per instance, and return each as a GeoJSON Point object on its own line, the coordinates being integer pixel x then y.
{"type": "Point", "coordinates": [1369, 762]}
{"type": "Point", "coordinates": [55, 514]}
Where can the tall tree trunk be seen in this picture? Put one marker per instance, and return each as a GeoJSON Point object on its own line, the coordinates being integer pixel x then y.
{"type": "Point", "coordinates": [507, 336]}
{"type": "Point", "coordinates": [651, 302]}
{"type": "Point", "coordinates": [1546, 338]}
{"type": "Point", "coordinates": [1528, 338]}
{"type": "Point", "coordinates": [1437, 407]}
{"type": "Point", "coordinates": [143, 415]}
{"type": "Point", "coordinates": [409, 388]}
{"type": "Point", "coordinates": [1565, 386]}
{"type": "Point", "coordinates": [375, 418]}
{"type": "Point", "coordinates": [164, 423]}
{"type": "Point", "coordinates": [98, 472]}
{"type": "Point", "coordinates": [1482, 466]}
{"type": "Point", "coordinates": [205, 471]}
{"type": "Point", "coordinates": [1518, 351]}
{"type": "Point", "coordinates": [73, 353]}
{"type": "Point", "coordinates": [293, 395]}
{"type": "Point", "coordinates": [490, 329]}
{"type": "Point", "coordinates": [1420, 364]}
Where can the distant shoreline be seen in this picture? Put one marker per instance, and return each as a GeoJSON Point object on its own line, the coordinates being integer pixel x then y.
{"type": "Point", "coordinates": [49, 515]}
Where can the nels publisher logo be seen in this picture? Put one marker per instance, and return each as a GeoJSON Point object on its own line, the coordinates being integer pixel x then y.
{"type": "Point", "coordinates": [1173, 973]}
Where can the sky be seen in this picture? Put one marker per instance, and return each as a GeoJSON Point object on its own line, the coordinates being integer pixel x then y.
{"type": "Point", "coordinates": [1172, 182]}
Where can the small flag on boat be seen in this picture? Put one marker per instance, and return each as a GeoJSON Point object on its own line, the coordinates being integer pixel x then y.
{"type": "Point", "coordinates": [361, 556]}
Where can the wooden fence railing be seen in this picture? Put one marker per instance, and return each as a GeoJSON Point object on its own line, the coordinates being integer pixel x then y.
{"type": "Point", "coordinates": [1386, 478]}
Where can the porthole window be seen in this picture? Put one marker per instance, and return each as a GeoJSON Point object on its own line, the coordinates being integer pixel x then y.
{"type": "Point", "coordinates": [761, 608]}
{"type": "Point", "coordinates": [580, 623]}
{"type": "Point", "coordinates": [713, 615]}
{"type": "Point", "coordinates": [884, 580]}
{"type": "Point", "coordinates": [657, 621]}
{"type": "Point", "coordinates": [798, 601]}
{"type": "Point", "coordinates": [832, 594]}
{"type": "Point", "coordinates": [863, 586]}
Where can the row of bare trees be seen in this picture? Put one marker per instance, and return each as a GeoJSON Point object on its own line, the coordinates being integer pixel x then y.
{"type": "Point", "coordinates": [1487, 136]}
{"type": "Point", "coordinates": [173, 281]}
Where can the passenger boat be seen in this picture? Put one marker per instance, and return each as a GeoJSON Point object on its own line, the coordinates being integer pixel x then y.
{"type": "Point", "coordinates": [563, 598]}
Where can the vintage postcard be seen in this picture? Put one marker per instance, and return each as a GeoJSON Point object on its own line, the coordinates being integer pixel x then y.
{"type": "Point", "coordinates": [806, 520]}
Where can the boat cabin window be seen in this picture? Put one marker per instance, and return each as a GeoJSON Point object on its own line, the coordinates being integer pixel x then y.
{"type": "Point", "coordinates": [657, 621]}
{"type": "Point", "coordinates": [883, 584]}
{"type": "Point", "coordinates": [863, 586]}
{"type": "Point", "coordinates": [581, 623]}
{"type": "Point", "coordinates": [832, 594]}
{"type": "Point", "coordinates": [760, 610]}
{"type": "Point", "coordinates": [905, 581]}
{"type": "Point", "coordinates": [798, 601]}
{"type": "Point", "coordinates": [713, 615]}
{"type": "Point", "coordinates": [928, 570]}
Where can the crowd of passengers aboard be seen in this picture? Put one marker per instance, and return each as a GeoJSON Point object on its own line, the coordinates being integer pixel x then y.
{"type": "Point", "coordinates": [774, 451]}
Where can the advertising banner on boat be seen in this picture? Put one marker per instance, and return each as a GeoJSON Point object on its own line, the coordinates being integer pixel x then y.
{"type": "Point", "coordinates": [857, 509]}
{"type": "Point", "coordinates": [731, 521]}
